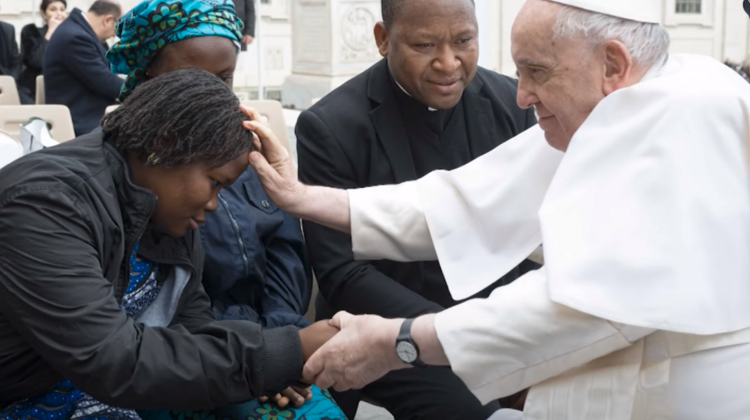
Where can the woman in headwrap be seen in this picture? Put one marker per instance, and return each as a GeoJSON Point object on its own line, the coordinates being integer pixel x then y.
{"type": "Point", "coordinates": [255, 269]}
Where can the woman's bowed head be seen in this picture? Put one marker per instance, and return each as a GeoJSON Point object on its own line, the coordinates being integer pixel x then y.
{"type": "Point", "coordinates": [184, 163]}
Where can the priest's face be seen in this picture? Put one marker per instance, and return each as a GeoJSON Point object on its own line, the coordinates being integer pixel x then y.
{"type": "Point", "coordinates": [557, 76]}
{"type": "Point", "coordinates": [432, 49]}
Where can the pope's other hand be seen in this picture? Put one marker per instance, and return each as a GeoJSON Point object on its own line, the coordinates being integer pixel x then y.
{"type": "Point", "coordinates": [363, 352]}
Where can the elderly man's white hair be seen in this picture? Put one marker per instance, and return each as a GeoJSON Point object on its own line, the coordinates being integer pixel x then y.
{"type": "Point", "coordinates": [648, 42]}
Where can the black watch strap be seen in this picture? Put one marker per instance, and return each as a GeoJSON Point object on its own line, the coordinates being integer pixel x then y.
{"type": "Point", "coordinates": [405, 335]}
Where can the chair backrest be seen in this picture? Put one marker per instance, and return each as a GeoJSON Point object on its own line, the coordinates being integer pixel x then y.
{"type": "Point", "coordinates": [9, 91]}
{"type": "Point", "coordinates": [275, 114]}
{"type": "Point", "coordinates": [40, 100]}
{"type": "Point", "coordinates": [58, 116]}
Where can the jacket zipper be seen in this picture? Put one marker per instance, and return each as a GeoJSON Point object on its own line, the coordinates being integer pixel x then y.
{"type": "Point", "coordinates": [124, 284]}
{"type": "Point", "coordinates": [245, 262]}
{"type": "Point", "coordinates": [236, 227]}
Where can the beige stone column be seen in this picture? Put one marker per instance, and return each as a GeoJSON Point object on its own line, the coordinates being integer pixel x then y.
{"type": "Point", "coordinates": [332, 41]}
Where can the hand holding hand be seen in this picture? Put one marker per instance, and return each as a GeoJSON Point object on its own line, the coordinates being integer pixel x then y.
{"type": "Point", "coordinates": [314, 336]}
{"type": "Point", "coordinates": [361, 353]}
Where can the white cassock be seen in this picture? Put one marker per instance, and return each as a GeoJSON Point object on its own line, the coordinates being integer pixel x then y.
{"type": "Point", "coordinates": [642, 311]}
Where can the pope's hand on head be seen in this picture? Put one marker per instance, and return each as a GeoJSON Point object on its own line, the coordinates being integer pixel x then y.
{"type": "Point", "coordinates": [272, 162]}
{"type": "Point", "coordinates": [253, 115]}
{"type": "Point", "coordinates": [363, 352]}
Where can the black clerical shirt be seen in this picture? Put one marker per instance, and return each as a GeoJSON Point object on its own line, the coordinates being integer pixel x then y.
{"type": "Point", "coordinates": [438, 140]}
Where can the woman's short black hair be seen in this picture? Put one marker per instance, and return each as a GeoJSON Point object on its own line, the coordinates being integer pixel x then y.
{"type": "Point", "coordinates": [181, 117]}
{"type": "Point", "coordinates": [45, 4]}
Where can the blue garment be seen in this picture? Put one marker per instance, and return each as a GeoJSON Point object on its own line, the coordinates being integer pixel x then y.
{"type": "Point", "coordinates": [256, 268]}
{"type": "Point", "coordinates": [153, 24]}
{"type": "Point", "coordinates": [76, 73]}
{"type": "Point", "coordinates": [64, 401]}
{"type": "Point", "coordinates": [320, 407]}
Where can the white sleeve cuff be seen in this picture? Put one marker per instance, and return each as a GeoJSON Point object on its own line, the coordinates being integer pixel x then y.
{"type": "Point", "coordinates": [387, 222]}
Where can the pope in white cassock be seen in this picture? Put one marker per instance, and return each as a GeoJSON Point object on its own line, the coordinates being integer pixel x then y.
{"type": "Point", "coordinates": [642, 202]}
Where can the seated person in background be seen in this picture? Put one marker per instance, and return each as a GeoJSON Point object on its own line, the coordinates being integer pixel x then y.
{"type": "Point", "coordinates": [10, 59]}
{"type": "Point", "coordinates": [34, 40]}
{"type": "Point", "coordinates": [76, 72]}
{"type": "Point", "coordinates": [102, 309]}
{"type": "Point", "coordinates": [255, 267]}
{"type": "Point", "coordinates": [426, 106]}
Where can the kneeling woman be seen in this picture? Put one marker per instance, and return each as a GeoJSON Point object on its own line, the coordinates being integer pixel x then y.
{"type": "Point", "coordinates": [101, 305]}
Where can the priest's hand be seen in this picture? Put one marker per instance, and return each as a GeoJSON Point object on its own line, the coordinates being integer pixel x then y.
{"type": "Point", "coordinates": [363, 352]}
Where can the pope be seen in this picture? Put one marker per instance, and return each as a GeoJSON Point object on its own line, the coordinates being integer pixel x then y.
{"type": "Point", "coordinates": [642, 311]}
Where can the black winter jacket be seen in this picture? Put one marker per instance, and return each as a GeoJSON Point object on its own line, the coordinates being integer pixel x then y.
{"type": "Point", "coordinates": [69, 217]}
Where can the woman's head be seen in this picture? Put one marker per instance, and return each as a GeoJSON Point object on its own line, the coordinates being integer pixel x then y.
{"type": "Point", "coordinates": [53, 9]}
{"type": "Point", "coordinates": [214, 54]}
{"type": "Point", "coordinates": [159, 36]}
{"type": "Point", "coordinates": [183, 137]}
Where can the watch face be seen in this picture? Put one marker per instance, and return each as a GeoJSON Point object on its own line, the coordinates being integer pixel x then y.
{"type": "Point", "coordinates": [406, 352]}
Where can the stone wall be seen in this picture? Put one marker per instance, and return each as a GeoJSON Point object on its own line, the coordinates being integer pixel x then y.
{"type": "Point", "coordinates": [309, 47]}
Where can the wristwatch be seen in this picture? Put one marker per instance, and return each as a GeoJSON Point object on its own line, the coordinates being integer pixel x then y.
{"type": "Point", "coordinates": [406, 349]}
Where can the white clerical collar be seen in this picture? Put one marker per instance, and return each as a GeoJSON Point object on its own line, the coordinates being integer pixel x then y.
{"type": "Point", "coordinates": [402, 88]}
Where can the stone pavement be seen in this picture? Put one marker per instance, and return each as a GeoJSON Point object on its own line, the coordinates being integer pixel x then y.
{"type": "Point", "coordinates": [370, 412]}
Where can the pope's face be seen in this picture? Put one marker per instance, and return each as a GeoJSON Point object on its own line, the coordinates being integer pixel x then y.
{"type": "Point", "coordinates": [558, 77]}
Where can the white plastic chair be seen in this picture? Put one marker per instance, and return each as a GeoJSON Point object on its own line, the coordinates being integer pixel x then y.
{"type": "Point", "coordinates": [58, 116]}
{"type": "Point", "coordinates": [274, 113]}
{"type": "Point", "coordinates": [9, 91]}
{"type": "Point", "coordinates": [40, 98]}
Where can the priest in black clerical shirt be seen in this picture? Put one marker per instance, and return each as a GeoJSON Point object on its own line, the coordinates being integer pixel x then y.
{"type": "Point", "coordinates": [425, 106]}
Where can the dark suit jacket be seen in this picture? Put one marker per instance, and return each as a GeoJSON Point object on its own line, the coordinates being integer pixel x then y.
{"type": "Point", "coordinates": [355, 137]}
{"type": "Point", "coordinates": [245, 10]}
{"type": "Point", "coordinates": [10, 59]}
{"type": "Point", "coordinates": [77, 75]}
{"type": "Point", "coordinates": [746, 5]}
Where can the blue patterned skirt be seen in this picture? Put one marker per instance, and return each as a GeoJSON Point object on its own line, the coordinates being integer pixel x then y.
{"type": "Point", "coordinates": [65, 402]}
{"type": "Point", "coordinates": [320, 407]}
